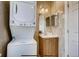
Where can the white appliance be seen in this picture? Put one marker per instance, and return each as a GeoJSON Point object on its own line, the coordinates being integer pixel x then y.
{"type": "Point", "coordinates": [22, 25]}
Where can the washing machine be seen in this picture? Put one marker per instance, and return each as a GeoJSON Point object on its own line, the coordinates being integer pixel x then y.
{"type": "Point", "coordinates": [22, 26]}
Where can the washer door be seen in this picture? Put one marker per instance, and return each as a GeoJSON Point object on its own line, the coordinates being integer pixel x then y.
{"type": "Point", "coordinates": [24, 12]}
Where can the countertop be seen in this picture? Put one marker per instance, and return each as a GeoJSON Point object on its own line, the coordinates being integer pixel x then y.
{"type": "Point", "coordinates": [48, 35]}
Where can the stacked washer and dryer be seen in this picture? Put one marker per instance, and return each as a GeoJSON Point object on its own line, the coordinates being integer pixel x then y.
{"type": "Point", "coordinates": [22, 26]}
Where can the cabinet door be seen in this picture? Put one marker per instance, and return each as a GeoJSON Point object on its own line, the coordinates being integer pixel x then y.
{"type": "Point", "coordinates": [73, 29]}
{"type": "Point", "coordinates": [24, 12]}
{"type": "Point", "coordinates": [48, 47]}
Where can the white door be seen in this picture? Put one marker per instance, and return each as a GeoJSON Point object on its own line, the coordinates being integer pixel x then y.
{"type": "Point", "coordinates": [73, 29]}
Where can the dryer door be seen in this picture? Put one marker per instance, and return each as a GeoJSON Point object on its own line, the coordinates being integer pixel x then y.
{"type": "Point", "coordinates": [24, 12]}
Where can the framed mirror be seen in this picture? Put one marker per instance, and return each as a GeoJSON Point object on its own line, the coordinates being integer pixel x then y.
{"type": "Point", "coordinates": [52, 21]}
{"type": "Point", "coordinates": [47, 21]}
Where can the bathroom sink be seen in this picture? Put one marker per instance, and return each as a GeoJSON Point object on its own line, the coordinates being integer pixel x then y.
{"type": "Point", "coordinates": [48, 35]}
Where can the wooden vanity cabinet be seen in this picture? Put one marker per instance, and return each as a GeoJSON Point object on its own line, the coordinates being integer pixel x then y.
{"type": "Point", "coordinates": [48, 46]}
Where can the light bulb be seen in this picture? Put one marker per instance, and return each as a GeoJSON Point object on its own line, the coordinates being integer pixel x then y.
{"type": "Point", "coordinates": [42, 9]}
{"type": "Point", "coordinates": [46, 10]}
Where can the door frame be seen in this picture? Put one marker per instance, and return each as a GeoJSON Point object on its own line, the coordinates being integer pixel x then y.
{"type": "Point", "coordinates": [66, 28]}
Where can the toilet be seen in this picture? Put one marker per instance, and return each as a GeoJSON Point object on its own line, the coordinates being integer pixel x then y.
{"type": "Point", "coordinates": [22, 26]}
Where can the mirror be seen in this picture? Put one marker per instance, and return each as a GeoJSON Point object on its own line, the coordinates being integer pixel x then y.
{"type": "Point", "coordinates": [52, 17]}
{"type": "Point", "coordinates": [47, 21]}
{"type": "Point", "coordinates": [53, 21]}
